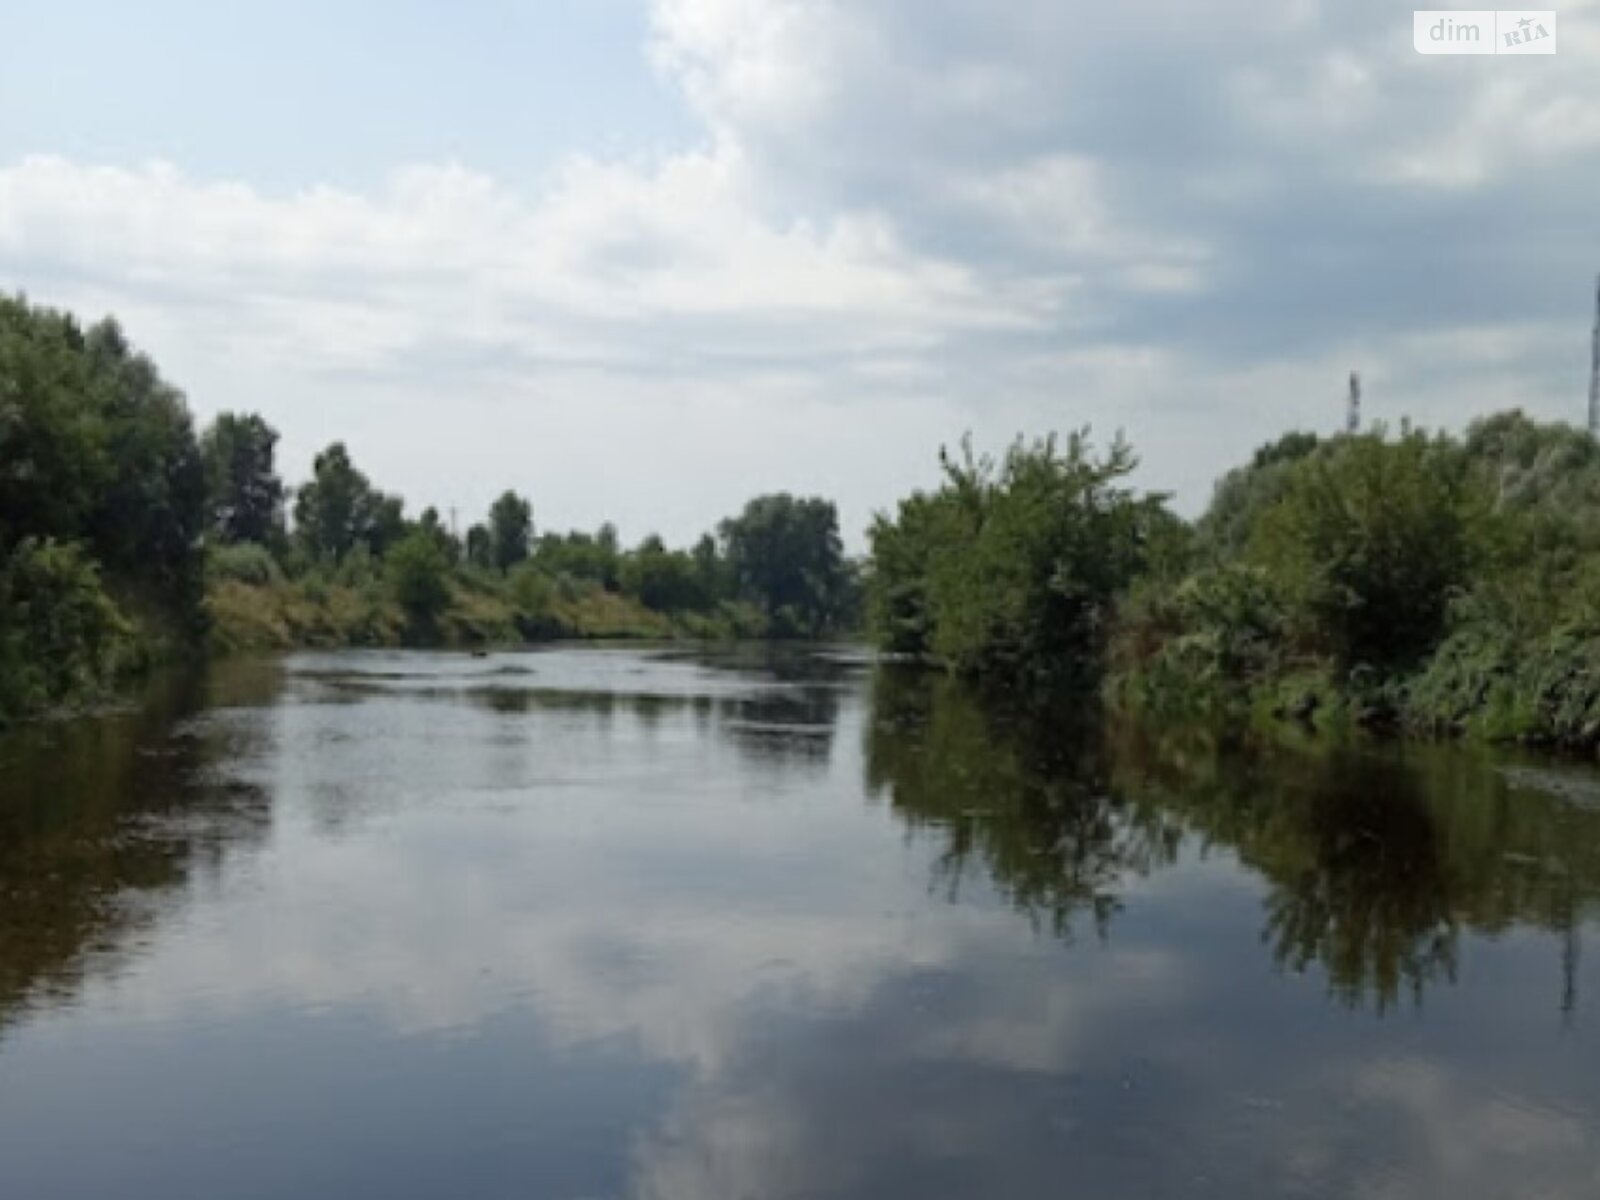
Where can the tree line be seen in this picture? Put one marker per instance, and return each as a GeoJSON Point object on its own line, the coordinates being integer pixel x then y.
{"type": "Point", "coordinates": [123, 527]}
{"type": "Point", "coordinates": [1394, 578]}
{"type": "Point", "coordinates": [1402, 578]}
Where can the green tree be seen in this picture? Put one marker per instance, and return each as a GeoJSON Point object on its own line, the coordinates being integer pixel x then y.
{"type": "Point", "coordinates": [1012, 568]}
{"type": "Point", "coordinates": [329, 510]}
{"type": "Point", "coordinates": [480, 547]}
{"type": "Point", "coordinates": [1371, 540]}
{"type": "Point", "coordinates": [244, 491]}
{"type": "Point", "coordinates": [340, 509]}
{"type": "Point", "coordinates": [711, 570]}
{"type": "Point", "coordinates": [663, 580]}
{"type": "Point", "coordinates": [785, 554]}
{"type": "Point", "coordinates": [149, 515]}
{"type": "Point", "coordinates": [419, 573]}
{"type": "Point", "coordinates": [510, 530]}
{"type": "Point", "coordinates": [581, 555]}
{"type": "Point", "coordinates": [53, 459]}
{"type": "Point", "coordinates": [96, 447]}
{"type": "Point", "coordinates": [1245, 494]}
{"type": "Point", "coordinates": [61, 636]}
{"type": "Point", "coordinates": [430, 525]}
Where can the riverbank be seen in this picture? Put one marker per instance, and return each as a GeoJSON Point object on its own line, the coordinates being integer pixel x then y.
{"type": "Point", "coordinates": [313, 613]}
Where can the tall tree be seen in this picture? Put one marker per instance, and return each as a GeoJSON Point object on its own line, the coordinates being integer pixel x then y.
{"type": "Point", "coordinates": [432, 526]}
{"type": "Point", "coordinates": [510, 530]}
{"type": "Point", "coordinates": [244, 492]}
{"type": "Point", "coordinates": [480, 551]}
{"type": "Point", "coordinates": [785, 554]}
{"type": "Point", "coordinates": [339, 509]}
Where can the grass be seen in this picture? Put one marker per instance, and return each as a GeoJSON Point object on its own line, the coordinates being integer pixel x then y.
{"type": "Point", "coordinates": [280, 614]}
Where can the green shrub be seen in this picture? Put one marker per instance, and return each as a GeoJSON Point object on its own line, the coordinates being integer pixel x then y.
{"type": "Point", "coordinates": [1011, 569]}
{"type": "Point", "coordinates": [1370, 541]}
{"type": "Point", "coordinates": [246, 562]}
{"type": "Point", "coordinates": [61, 636]}
{"type": "Point", "coordinates": [419, 576]}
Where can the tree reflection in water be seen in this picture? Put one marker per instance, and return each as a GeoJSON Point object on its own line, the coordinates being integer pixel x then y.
{"type": "Point", "coordinates": [102, 818]}
{"type": "Point", "coordinates": [1375, 858]}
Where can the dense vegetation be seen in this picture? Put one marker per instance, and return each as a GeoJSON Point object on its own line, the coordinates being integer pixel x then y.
{"type": "Point", "coordinates": [1429, 582]}
{"type": "Point", "coordinates": [1413, 580]}
{"type": "Point", "coordinates": [1011, 569]}
{"type": "Point", "coordinates": [102, 498]}
{"type": "Point", "coordinates": [127, 537]}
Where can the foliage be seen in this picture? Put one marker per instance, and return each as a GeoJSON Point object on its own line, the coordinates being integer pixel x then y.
{"type": "Point", "coordinates": [510, 531]}
{"type": "Point", "coordinates": [419, 573]}
{"type": "Point", "coordinates": [1246, 493]}
{"type": "Point", "coordinates": [62, 638]}
{"type": "Point", "coordinates": [245, 562]}
{"type": "Point", "coordinates": [785, 555]}
{"type": "Point", "coordinates": [429, 525]}
{"type": "Point", "coordinates": [478, 549]}
{"type": "Point", "coordinates": [578, 555]}
{"type": "Point", "coordinates": [1446, 585]}
{"type": "Point", "coordinates": [665, 580]}
{"type": "Point", "coordinates": [97, 453]}
{"type": "Point", "coordinates": [244, 493]}
{"type": "Point", "coordinates": [1370, 541]}
{"type": "Point", "coordinates": [1011, 569]}
{"type": "Point", "coordinates": [340, 510]}
{"type": "Point", "coordinates": [1197, 644]}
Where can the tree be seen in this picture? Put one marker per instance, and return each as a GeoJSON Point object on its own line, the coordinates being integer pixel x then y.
{"type": "Point", "coordinates": [480, 552]}
{"type": "Point", "coordinates": [1245, 494]}
{"type": "Point", "coordinates": [96, 447]}
{"type": "Point", "coordinates": [430, 524]}
{"type": "Point", "coordinates": [1011, 569]}
{"type": "Point", "coordinates": [510, 530]}
{"type": "Point", "coordinates": [149, 514]}
{"type": "Point", "coordinates": [53, 459]}
{"type": "Point", "coordinates": [340, 509]}
{"type": "Point", "coordinates": [582, 555]}
{"type": "Point", "coordinates": [785, 554]}
{"type": "Point", "coordinates": [711, 571]}
{"type": "Point", "coordinates": [1371, 540]}
{"type": "Point", "coordinates": [663, 580]}
{"type": "Point", "coordinates": [244, 492]}
{"type": "Point", "coordinates": [61, 636]}
{"type": "Point", "coordinates": [419, 572]}
{"type": "Point", "coordinates": [385, 523]}
{"type": "Point", "coordinates": [328, 511]}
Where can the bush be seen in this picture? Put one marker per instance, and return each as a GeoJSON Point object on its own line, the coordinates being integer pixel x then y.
{"type": "Point", "coordinates": [419, 576]}
{"type": "Point", "coordinates": [1202, 643]}
{"type": "Point", "coordinates": [1010, 570]}
{"type": "Point", "coordinates": [664, 580]}
{"type": "Point", "coordinates": [1370, 542]}
{"type": "Point", "coordinates": [61, 636]}
{"type": "Point", "coordinates": [246, 562]}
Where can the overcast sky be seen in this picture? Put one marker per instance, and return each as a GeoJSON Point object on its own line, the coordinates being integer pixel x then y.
{"type": "Point", "coordinates": [642, 259]}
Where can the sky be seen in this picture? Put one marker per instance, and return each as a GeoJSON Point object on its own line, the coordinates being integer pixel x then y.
{"type": "Point", "coordinates": [643, 259]}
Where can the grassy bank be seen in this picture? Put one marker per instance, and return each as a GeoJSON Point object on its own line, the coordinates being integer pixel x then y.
{"type": "Point", "coordinates": [478, 610]}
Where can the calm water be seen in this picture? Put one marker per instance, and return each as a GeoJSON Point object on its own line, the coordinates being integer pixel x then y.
{"type": "Point", "coordinates": [586, 923]}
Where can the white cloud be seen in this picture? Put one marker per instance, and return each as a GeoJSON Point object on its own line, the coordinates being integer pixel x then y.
{"type": "Point", "coordinates": [901, 221]}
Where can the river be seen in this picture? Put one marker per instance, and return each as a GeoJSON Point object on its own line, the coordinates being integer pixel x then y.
{"type": "Point", "coordinates": [688, 925]}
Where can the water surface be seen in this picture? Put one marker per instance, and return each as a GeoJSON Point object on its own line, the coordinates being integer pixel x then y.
{"type": "Point", "coordinates": [624, 923]}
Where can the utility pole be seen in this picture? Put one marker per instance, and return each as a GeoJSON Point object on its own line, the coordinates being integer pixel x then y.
{"type": "Point", "coordinates": [1352, 419]}
{"type": "Point", "coordinates": [1594, 369]}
